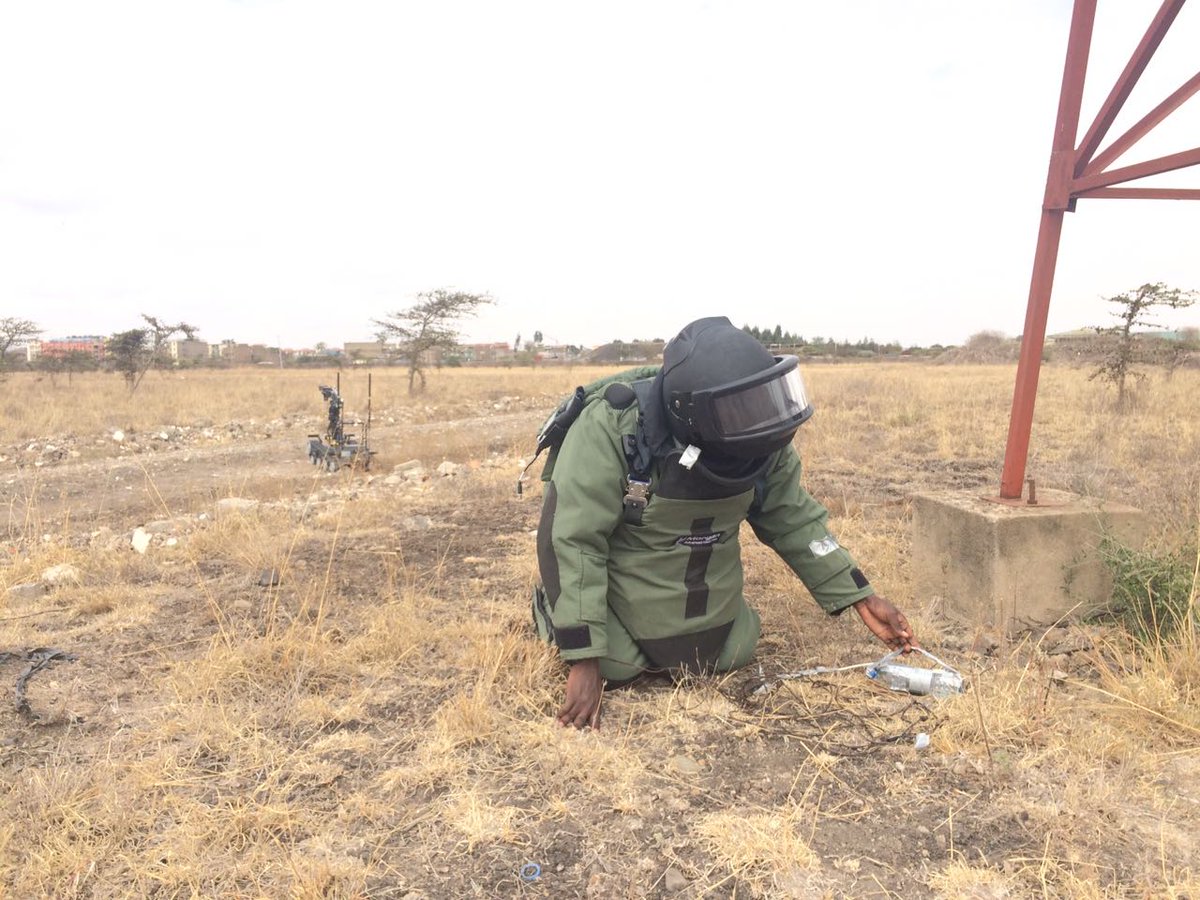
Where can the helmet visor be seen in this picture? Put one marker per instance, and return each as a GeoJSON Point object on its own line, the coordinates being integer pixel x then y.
{"type": "Point", "coordinates": [778, 404]}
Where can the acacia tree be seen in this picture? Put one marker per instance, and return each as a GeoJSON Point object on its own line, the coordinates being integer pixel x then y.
{"type": "Point", "coordinates": [15, 331]}
{"type": "Point", "coordinates": [1121, 351]}
{"type": "Point", "coordinates": [427, 326]}
{"type": "Point", "coordinates": [134, 352]}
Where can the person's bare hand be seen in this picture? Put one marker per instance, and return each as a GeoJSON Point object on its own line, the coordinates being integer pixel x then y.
{"type": "Point", "coordinates": [886, 622]}
{"type": "Point", "coordinates": [585, 688]}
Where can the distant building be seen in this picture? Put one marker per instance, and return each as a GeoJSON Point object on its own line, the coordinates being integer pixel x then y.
{"type": "Point", "coordinates": [365, 351]}
{"type": "Point", "coordinates": [1078, 336]}
{"type": "Point", "coordinates": [558, 353]}
{"type": "Point", "coordinates": [187, 350]}
{"type": "Point", "coordinates": [482, 354]}
{"type": "Point", "coordinates": [231, 353]}
{"type": "Point", "coordinates": [91, 344]}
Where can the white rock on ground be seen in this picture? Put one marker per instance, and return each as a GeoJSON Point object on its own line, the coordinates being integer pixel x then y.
{"type": "Point", "coordinates": [405, 466]}
{"type": "Point", "coordinates": [140, 541]}
{"type": "Point", "coordinates": [448, 469]}
{"type": "Point", "coordinates": [63, 573]}
{"type": "Point", "coordinates": [30, 590]}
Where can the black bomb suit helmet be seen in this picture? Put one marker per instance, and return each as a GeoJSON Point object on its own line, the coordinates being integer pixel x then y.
{"type": "Point", "coordinates": [725, 393]}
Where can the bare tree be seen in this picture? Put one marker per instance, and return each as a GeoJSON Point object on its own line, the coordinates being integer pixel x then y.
{"type": "Point", "coordinates": [1121, 350]}
{"type": "Point", "coordinates": [134, 352]}
{"type": "Point", "coordinates": [15, 331]}
{"type": "Point", "coordinates": [428, 326]}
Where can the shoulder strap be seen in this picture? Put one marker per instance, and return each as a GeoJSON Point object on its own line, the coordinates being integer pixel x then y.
{"type": "Point", "coordinates": [638, 457]}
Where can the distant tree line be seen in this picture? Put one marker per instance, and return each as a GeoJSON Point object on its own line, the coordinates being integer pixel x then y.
{"type": "Point", "coordinates": [777, 337]}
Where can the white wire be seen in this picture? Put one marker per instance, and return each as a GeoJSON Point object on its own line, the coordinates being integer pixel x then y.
{"type": "Point", "coordinates": [823, 670]}
{"type": "Point", "coordinates": [805, 673]}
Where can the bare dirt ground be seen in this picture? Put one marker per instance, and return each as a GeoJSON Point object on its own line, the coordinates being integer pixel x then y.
{"type": "Point", "coordinates": [321, 684]}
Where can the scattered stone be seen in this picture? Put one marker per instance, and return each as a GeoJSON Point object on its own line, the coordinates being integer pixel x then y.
{"type": "Point", "coordinates": [416, 523]}
{"type": "Point", "coordinates": [393, 480]}
{"type": "Point", "coordinates": [417, 474]}
{"type": "Point", "coordinates": [1059, 661]}
{"type": "Point", "coordinates": [1061, 642]}
{"type": "Point", "coordinates": [235, 505]}
{"type": "Point", "coordinates": [30, 590]}
{"type": "Point", "coordinates": [448, 469]}
{"type": "Point", "coordinates": [685, 765]}
{"type": "Point", "coordinates": [140, 540]}
{"type": "Point", "coordinates": [243, 605]}
{"type": "Point", "coordinates": [406, 466]}
{"type": "Point", "coordinates": [63, 573]}
{"type": "Point", "coordinates": [674, 881]}
{"type": "Point", "coordinates": [171, 542]}
{"type": "Point", "coordinates": [985, 643]}
{"type": "Point", "coordinates": [161, 526]}
{"type": "Point", "coordinates": [268, 578]}
{"type": "Point", "coordinates": [118, 435]}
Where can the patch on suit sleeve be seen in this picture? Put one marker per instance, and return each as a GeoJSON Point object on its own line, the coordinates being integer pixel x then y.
{"type": "Point", "coordinates": [824, 546]}
{"type": "Point", "coordinates": [577, 637]}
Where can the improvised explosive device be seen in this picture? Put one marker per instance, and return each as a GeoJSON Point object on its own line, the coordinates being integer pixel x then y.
{"type": "Point", "coordinates": [335, 448]}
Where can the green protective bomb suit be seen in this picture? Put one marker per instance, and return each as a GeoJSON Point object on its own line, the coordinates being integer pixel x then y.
{"type": "Point", "coordinates": [667, 593]}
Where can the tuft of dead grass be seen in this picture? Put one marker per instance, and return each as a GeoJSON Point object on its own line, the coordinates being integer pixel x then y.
{"type": "Point", "coordinates": [765, 850]}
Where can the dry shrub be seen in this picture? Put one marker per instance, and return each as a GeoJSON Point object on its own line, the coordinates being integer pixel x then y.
{"type": "Point", "coordinates": [962, 881]}
{"type": "Point", "coordinates": [478, 820]}
{"type": "Point", "coordinates": [765, 850]}
{"type": "Point", "coordinates": [280, 668]}
{"type": "Point", "coordinates": [1007, 709]}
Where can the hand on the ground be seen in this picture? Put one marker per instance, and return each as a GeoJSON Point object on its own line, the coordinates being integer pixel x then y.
{"type": "Point", "coordinates": [585, 688]}
{"type": "Point", "coordinates": [886, 622]}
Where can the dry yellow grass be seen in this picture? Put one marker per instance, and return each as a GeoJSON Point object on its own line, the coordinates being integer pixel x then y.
{"type": "Point", "coordinates": [379, 723]}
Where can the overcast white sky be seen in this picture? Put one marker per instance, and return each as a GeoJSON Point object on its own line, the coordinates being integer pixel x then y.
{"type": "Point", "coordinates": [285, 171]}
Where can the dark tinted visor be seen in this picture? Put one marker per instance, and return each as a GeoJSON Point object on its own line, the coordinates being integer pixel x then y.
{"type": "Point", "coordinates": [762, 407]}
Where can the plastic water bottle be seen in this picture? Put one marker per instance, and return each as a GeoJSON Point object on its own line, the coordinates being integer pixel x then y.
{"type": "Point", "coordinates": [917, 680]}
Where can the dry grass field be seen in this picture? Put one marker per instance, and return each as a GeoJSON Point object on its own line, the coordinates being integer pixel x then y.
{"type": "Point", "coordinates": [330, 689]}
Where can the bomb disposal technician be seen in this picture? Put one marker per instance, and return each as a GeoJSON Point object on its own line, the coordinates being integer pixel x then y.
{"type": "Point", "coordinates": [638, 542]}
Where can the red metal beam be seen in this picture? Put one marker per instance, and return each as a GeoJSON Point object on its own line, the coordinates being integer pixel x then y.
{"type": "Point", "coordinates": [1142, 128]}
{"type": "Point", "coordinates": [1062, 159]}
{"type": "Point", "coordinates": [1141, 170]}
{"type": "Point", "coordinates": [1126, 82]}
{"type": "Point", "coordinates": [1073, 174]}
{"type": "Point", "coordinates": [1142, 194]}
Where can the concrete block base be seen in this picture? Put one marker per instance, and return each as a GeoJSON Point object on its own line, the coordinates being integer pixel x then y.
{"type": "Point", "coordinates": [1014, 567]}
